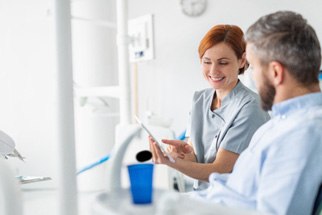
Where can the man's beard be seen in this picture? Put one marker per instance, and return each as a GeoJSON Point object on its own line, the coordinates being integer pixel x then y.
{"type": "Point", "coordinates": [267, 94]}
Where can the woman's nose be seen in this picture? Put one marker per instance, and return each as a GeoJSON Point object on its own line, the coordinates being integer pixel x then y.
{"type": "Point", "coordinates": [213, 69]}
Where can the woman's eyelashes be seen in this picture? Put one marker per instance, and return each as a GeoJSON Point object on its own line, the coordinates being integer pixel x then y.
{"type": "Point", "coordinates": [223, 63]}
{"type": "Point", "coordinates": [206, 61]}
{"type": "Point", "coordinates": [219, 62]}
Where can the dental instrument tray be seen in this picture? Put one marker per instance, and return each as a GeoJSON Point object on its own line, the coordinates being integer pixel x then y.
{"type": "Point", "coordinates": [31, 179]}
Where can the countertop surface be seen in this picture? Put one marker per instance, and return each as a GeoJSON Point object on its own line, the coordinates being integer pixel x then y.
{"type": "Point", "coordinates": [45, 201]}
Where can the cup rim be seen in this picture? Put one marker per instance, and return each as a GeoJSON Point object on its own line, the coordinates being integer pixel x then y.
{"type": "Point", "coordinates": [140, 164]}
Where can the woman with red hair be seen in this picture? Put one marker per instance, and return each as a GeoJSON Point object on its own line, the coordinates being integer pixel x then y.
{"type": "Point", "coordinates": [223, 117]}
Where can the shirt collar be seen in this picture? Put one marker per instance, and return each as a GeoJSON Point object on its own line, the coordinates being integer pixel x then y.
{"type": "Point", "coordinates": [301, 102]}
{"type": "Point", "coordinates": [232, 93]}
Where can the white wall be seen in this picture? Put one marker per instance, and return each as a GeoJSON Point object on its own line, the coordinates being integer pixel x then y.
{"type": "Point", "coordinates": [27, 84]}
{"type": "Point", "coordinates": [166, 84]}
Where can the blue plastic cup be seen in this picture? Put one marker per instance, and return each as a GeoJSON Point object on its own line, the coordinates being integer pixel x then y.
{"type": "Point", "coordinates": [141, 181]}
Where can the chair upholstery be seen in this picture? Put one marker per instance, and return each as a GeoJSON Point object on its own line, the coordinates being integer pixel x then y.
{"type": "Point", "coordinates": [317, 209]}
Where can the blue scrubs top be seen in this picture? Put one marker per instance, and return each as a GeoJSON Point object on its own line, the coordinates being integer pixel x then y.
{"type": "Point", "coordinates": [230, 127]}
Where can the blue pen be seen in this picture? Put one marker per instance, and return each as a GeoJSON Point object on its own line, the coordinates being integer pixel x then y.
{"type": "Point", "coordinates": [102, 160]}
{"type": "Point", "coordinates": [182, 136]}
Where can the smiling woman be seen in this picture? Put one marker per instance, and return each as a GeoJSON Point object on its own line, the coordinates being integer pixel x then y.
{"type": "Point", "coordinates": [217, 64]}
{"type": "Point", "coordinates": [223, 117]}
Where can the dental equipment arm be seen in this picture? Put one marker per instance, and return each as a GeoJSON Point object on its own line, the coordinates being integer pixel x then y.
{"type": "Point", "coordinates": [116, 160]}
{"type": "Point", "coordinates": [7, 147]}
{"type": "Point", "coordinates": [7, 144]}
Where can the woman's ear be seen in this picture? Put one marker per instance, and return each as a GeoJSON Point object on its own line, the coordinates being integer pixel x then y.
{"type": "Point", "coordinates": [243, 61]}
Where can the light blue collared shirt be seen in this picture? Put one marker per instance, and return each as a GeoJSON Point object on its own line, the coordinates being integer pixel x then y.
{"type": "Point", "coordinates": [280, 172]}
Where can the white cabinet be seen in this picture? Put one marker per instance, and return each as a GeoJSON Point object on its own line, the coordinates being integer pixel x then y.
{"type": "Point", "coordinates": [96, 85]}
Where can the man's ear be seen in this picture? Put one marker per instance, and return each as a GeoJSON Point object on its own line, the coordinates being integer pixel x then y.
{"type": "Point", "coordinates": [277, 72]}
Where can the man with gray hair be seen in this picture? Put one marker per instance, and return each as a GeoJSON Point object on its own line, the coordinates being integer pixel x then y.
{"type": "Point", "coordinates": [279, 172]}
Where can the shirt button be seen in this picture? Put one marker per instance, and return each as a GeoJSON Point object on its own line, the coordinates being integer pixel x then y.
{"type": "Point", "coordinates": [213, 116]}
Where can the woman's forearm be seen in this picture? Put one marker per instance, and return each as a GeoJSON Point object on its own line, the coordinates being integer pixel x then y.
{"type": "Point", "coordinates": [223, 163]}
{"type": "Point", "coordinates": [190, 157]}
{"type": "Point", "coordinates": [193, 169]}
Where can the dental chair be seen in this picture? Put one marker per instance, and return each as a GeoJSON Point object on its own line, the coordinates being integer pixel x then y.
{"type": "Point", "coordinates": [317, 209]}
